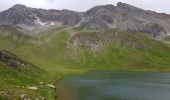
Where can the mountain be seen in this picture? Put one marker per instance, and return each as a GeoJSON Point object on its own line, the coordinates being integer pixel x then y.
{"type": "Point", "coordinates": [20, 14]}
{"type": "Point", "coordinates": [123, 16]}
{"type": "Point", "coordinates": [87, 40]}
{"type": "Point", "coordinates": [30, 19]}
{"type": "Point", "coordinates": [128, 18]}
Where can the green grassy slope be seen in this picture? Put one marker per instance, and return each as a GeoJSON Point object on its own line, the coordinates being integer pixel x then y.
{"type": "Point", "coordinates": [126, 52]}
{"type": "Point", "coordinates": [47, 53]}
{"type": "Point", "coordinates": [16, 75]}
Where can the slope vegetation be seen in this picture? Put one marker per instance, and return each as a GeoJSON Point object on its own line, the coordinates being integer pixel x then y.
{"type": "Point", "coordinates": [110, 49]}
{"type": "Point", "coordinates": [17, 75]}
{"type": "Point", "coordinates": [119, 50]}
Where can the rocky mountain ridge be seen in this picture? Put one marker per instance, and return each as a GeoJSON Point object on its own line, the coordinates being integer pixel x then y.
{"type": "Point", "coordinates": [123, 16]}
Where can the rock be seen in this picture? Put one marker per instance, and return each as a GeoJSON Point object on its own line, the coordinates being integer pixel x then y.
{"type": "Point", "coordinates": [42, 98]}
{"type": "Point", "coordinates": [27, 99]}
{"type": "Point", "coordinates": [23, 95]}
{"type": "Point", "coordinates": [33, 88]}
{"type": "Point", "coordinates": [36, 98]}
{"type": "Point", "coordinates": [13, 61]}
{"type": "Point", "coordinates": [41, 83]}
{"type": "Point", "coordinates": [51, 86]}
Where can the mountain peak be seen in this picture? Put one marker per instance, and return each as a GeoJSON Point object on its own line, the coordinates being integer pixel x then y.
{"type": "Point", "coordinates": [19, 6]}
{"type": "Point", "coordinates": [121, 4]}
{"type": "Point", "coordinates": [127, 6]}
{"type": "Point", "coordinates": [123, 16]}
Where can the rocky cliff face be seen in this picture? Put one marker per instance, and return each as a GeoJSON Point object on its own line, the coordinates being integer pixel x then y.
{"type": "Point", "coordinates": [122, 16]}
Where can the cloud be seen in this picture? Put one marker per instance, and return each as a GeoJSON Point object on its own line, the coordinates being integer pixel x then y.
{"type": "Point", "coordinates": [154, 5]}
{"type": "Point", "coordinates": [4, 4]}
{"type": "Point", "coordinates": [35, 3]}
{"type": "Point", "coordinates": [83, 5]}
{"type": "Point", "coordinates": [79, 5]}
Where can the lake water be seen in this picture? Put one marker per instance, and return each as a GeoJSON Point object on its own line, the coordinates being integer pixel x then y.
{"type": "Point", "coordinates": [110, 85]}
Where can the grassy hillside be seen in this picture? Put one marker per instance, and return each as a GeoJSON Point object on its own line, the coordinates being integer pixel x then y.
{"type": "Point", "coordinates": [16, 75]}
{"type": "Point", "coordinates": [55, 51]}
{"type": "Point", "coordinates": [122, 51]}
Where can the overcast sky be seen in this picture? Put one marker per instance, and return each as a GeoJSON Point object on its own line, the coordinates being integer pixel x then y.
{"type": "Point", "coordinates": [83, 5]}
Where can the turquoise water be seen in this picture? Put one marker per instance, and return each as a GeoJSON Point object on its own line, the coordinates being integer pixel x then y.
{"type": "Point", "coordinates": [108, 85]}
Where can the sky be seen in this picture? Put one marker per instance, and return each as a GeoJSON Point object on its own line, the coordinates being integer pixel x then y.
{"type": "Point", "coordinates": [162, 6]}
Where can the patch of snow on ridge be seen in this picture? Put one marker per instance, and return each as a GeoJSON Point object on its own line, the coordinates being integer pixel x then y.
{"type": "Point", "coordinates": [38, 21]}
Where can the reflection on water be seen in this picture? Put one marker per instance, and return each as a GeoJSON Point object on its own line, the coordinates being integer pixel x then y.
{"type": "Point", "coordinates": [107, 85]}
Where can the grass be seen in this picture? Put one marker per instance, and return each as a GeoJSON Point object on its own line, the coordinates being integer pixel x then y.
{"type": "Point", "coordinates": [36, 53]}
{"type": "Point", "coordinates": [167, 38]}
{"type": "Point", "coordinates": [14, 84]}
{"type": "Point", "coordinates": [17, 75]}
{"type": "Point", "coordinates": [147, 54]}
{"type": "Point", "coordinates": [126, 52]}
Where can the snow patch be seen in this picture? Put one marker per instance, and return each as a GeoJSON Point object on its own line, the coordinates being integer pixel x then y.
{"type": "Point", "coordinates": [38, 21]}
